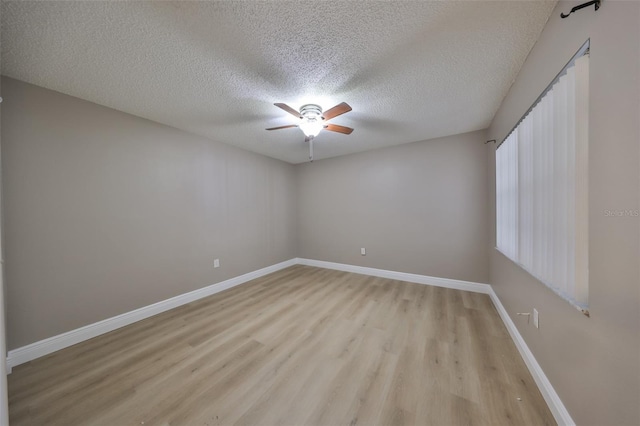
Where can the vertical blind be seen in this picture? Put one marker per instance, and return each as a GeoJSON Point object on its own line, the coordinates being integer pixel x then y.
{"type": "Point", "coordinates": [541, 187]}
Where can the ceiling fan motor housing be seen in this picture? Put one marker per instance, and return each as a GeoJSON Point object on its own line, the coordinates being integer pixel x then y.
{"type": "Point", "coordinates": [311, 111]}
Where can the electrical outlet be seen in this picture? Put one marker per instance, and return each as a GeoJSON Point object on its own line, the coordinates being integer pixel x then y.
{"type": "Point", "coordinates": [535, 318]}
{"type": "Point", "coordinates": [363, 251]}
{"type": "Point", "coordinates": [216, 263]}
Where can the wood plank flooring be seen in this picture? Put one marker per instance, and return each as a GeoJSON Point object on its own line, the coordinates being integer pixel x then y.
{"type": "Point", "coordinates": [301, 346]}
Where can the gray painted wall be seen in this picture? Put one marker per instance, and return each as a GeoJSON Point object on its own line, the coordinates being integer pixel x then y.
{"type": "Point", "coordinates": [106, 212]}
{"type": "Point", "coordinates": [419, 208]}
{"type": "Point", "coordinates": [4, 397]}
{"type": "Point", "coordinates": [593, 363]}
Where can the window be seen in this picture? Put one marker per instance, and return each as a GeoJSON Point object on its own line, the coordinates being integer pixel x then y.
{"type": "Point", "coordinates": [541, 186]}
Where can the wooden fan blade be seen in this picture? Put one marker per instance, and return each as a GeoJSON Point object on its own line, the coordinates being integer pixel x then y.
{"type": "Point", "coordinates": [289, 110]}
{"type": "Point", "coordinates": [283, 127]}
{"type": "Point", "coordinates": [339, 129]}
{"type": "Point", "coordinates": [336, 111]}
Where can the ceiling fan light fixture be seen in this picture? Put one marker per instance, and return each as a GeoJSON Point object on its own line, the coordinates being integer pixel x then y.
{"type": "Point", "coordinates": [311, 127]}
{"type": "Point", "coordinates": [313, 120]}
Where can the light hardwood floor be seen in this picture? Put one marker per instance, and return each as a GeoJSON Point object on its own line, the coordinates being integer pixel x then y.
{"type": "Point", "coordinates": [300, 346]}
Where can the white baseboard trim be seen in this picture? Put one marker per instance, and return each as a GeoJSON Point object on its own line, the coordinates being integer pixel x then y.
{"type": "Point", "coordinates": [44, 347]}
{"type": "Point", "coordinates": [401, 276]}
{"type": "Point", "coordinates": [552, 399]}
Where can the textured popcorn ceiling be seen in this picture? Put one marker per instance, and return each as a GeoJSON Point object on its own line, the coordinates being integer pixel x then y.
{"type": "Point", "coordinates": [410, 70]}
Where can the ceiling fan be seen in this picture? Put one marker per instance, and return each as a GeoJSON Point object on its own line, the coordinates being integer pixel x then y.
{"type": "Point", "coordinates": [314, 120]}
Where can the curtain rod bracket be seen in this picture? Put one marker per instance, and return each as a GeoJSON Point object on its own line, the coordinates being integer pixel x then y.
{"type": "Point", "coordinates": [580, 6]}
{"type": "Point", "coordinates": [492, 140]}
